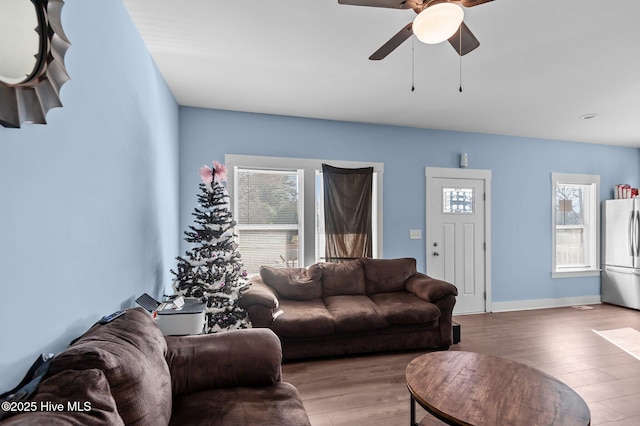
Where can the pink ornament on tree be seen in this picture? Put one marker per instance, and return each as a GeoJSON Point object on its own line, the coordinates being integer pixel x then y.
{"type": "Point", "coordinates": [220, 172]}
{"type": "Point", "coordinates": [206, 174]}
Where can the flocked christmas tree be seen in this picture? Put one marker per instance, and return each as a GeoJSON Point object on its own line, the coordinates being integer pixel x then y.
{"type": "Point", "coordinates": [213, 269]}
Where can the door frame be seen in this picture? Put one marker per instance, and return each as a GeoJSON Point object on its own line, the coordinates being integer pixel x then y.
{"type": "Point", "coordinates": [474, 174]}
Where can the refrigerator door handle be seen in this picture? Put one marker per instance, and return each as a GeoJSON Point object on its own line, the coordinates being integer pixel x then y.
{"type": "Point", "coordinates": [627, 271]}
{"type": "Point", "coordinates": [631, 233]}
{"type": "Point", "coordinates": [636, 234]}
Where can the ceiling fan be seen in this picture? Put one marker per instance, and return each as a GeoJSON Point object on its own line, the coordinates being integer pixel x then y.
{"type": "Point", "coordinates": [437, 21]}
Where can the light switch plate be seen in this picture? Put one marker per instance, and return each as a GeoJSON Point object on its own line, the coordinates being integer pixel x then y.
{"type": "Point", "coordinates": [415, 234]}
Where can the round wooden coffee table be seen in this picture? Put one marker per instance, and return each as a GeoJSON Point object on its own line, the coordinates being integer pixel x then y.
{"type": "Point", "coordinates": [465, 388]}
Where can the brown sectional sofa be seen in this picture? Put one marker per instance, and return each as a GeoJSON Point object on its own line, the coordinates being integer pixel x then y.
{"type": "Point", "coordinates": [131, 374]}
{"type": "Point", "coordinates": [365, 305]}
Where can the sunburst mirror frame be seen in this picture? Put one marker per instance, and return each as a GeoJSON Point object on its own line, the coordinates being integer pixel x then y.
{"type": "Point", "coordinates": [29, 100]}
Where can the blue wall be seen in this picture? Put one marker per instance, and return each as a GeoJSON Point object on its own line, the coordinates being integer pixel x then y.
{"type": "Point", "coordinates": [89, 215]}
{"type": "Point", "coordinates": [521, 182]}
{"type": "Point", "coordinates": [88, 202]}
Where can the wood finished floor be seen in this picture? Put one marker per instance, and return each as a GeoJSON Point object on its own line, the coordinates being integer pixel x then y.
{"type": "Point", "coordinates": [371, 390]}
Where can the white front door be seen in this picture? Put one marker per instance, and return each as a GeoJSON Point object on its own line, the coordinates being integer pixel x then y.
{"type": "Point", "coordinates": [457, 243]}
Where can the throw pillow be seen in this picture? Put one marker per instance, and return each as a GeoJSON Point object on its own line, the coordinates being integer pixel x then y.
{"type": "Point", "coordinates": [387, 275]}
{"type": "Point", "coordinates": [342, 278]}
{"type": "Point", "coordinates": [294, 283]}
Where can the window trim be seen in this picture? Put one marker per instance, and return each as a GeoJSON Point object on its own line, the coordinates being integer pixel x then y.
{"type": "Point", "coordinates": [578, 179]}
{"type": "Point", "coordinates": [309, 167]}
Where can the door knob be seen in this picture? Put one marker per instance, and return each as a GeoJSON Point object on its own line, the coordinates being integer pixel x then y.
{"type": "Point", "coordinates": [435, 253]}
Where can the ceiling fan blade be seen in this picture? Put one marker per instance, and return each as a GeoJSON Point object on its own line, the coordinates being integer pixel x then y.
{"type": "Point", "coordinates": [469, 41]}
{"type": "Point", "coordinates": [471, 3]}
{"type": "Point", "coordinates": [393, 43]}
{"type": "Point", "coordinates": [391, 4]}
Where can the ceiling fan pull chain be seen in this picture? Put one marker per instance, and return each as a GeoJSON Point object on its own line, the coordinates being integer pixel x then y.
{"type": "Point", "coordinates": [460, 52]}
{"type": "Point", "coordinates": [413, 64]}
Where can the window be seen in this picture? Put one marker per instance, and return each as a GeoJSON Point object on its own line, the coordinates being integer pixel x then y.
{"type": "Point", "coordinates": [278, 204]}
{"type": "Point", "coordinates": [268, 205]}
{"type": "Point", "coordinates": [576, 223]}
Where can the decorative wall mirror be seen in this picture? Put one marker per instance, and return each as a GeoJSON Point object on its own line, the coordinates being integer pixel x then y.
{"type": "Point", "coordinates": [32, 71]}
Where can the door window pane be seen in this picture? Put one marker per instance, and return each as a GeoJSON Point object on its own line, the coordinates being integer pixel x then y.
{"type": "Point", "coordinates": [457, 200]}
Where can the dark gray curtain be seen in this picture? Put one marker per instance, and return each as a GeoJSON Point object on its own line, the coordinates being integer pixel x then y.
{"type": "Point", "coordinates": [347, 212]}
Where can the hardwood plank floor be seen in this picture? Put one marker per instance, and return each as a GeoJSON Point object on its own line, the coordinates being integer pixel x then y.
{"type": "Point", "coordinates": [371, 389]}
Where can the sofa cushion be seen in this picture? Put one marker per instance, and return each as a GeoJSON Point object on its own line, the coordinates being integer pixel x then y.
{"type": "Point", "coordinates": [294, 283]}
{"type": "Point", "coordinates": [84, 394]}
{"type": "Point", "coordinates": [403, 308]}
{"type": "Point", "coordinates": [387, 275]}
{"type": "Point", "coordinates": [342, 278]}
{"type": "Point", "coordinates": [303, 318]}
{"type": "Point", "coordinates": [130, 351]}
{"type": "Point", "coordinates": [279, 404]}
{"type": "Point", "coordinates": [355, 313]}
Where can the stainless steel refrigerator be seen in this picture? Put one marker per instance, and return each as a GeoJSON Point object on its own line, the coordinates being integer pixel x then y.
{"type": "Point", "coordinates": [621, 252]}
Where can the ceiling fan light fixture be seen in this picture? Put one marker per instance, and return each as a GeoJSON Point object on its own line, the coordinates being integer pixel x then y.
{"type": "Point", "coordinates": [438, 23]}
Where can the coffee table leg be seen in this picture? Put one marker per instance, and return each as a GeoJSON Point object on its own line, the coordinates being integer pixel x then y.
{"type": "Point", "coordinates": [412, 410]}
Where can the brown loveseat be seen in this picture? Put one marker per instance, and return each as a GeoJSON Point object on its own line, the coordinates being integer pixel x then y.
{"type": "Point", "coordinates": [130, 374]}
{"type": "Point", "coordinates": [365, 305]}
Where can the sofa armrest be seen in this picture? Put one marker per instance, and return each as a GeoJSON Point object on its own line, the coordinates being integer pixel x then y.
{"type": "Point", "coordinates": [249, 358]}
{"type": "Point", "coordinates": [259, 293]}
{"type": "Point", "coordinates": [260, 301]}
{"type": "Point", "coordinates": [429, 289]}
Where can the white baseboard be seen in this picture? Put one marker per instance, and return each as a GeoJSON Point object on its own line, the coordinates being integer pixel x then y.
{"type": "Point", "coordinates": [523, 305]}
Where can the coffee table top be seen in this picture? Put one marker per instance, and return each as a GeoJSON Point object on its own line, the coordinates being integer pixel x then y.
{"type": "Point", "coordinates": [466, 388]}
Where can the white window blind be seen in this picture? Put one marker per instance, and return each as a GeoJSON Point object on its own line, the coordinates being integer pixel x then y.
{"type": "Point", "coordinates": [268, 214]}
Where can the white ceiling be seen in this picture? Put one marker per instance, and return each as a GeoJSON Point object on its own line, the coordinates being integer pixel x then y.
{"type": "Point", "coordinates": [540, 66]}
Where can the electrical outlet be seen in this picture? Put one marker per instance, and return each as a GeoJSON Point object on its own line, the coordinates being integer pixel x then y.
{"type": "Point", "coordinates": [415, 234]}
